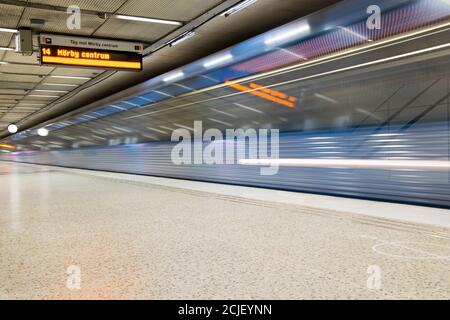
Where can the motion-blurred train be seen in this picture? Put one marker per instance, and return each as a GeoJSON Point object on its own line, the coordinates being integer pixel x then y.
{"type": "Point", "coordinates": [371, 102]}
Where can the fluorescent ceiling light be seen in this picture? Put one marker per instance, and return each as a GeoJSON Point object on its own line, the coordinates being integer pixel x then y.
{"type": "Point", "coordinates": [3, 62]}
{"type": "Point", "coordinates": [70, 77]}
{"type": "Point", "coordinates": [150, 20]}
{"type": "Point", "coordinates": [12, 128]}
{"type": "Point", "coordinates": [240, 6]}
{"type": "Point", "coordinates": [181, 38]}
{"type": "Point", "coordinates": [174, 76]}
{"type": "Point", "coordinates": [8, 30]}
{"type": "Point", "coordinates": [56, 91]}
{"type": "Point", "coordinates": [288, 34]}
{"type": "Point", "coordinates": [6, 49]}
{"type": "Point", "coordinates": [215, 61]}
{"type": "Point", "coordinates": [60, 84]}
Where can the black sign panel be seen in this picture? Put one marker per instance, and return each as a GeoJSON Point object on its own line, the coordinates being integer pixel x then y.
{"type": "Point", "coordinates": [91, 58]}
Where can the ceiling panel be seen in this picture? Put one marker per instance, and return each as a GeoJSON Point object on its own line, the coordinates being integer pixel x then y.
{"type": "Point", "coordinates": [103, 5]}
{"type": "Point", "coordinates": [19, 58]}
{"type": "Point", "coordinates": [69, 71]}
{"type": "Point", "coordinates": [10, 117]}
{"type": "Point", "coordinates": [37, 100]}
{"type": "Point", "coordinates": [16, 85]}
{"type": "Point", "coordinates": [31, 101]}
{"type": "Point", "coordinates": [10, 96]}
{"type": "Point", "coordinates": [181, 10]}
{"type": "Point", "coordinates": [22, 108]}
{"type": "Point", "coordinates": [71, 83]}
{"type": "Point", "coordinates": [9, 16]}
{"type": "Point", "coordinates": [56, 21]}
{"type": "Point", "coordinates": [47, 85]}
{"type": "Point", "coordinates": [19, 78]}
{"type": "Point", "coordinates": [5, 39]}
{"type": "Point", "coordinates": [12, 91]}
{"type": "Point", "coordinates": [17, 113]}
{"type": "Point", "coordinates": [139, 31]}
{"type": "Point", "coordinates": [24, 69]}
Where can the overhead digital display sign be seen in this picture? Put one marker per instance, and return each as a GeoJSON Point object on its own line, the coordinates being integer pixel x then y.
{"type": "Point", "coordinates": [89, 52]}
{"type": "Point", "coordinates": [55, 55]}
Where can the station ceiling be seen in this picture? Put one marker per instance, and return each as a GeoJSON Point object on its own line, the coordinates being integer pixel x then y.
{"type": "Point", "coordinates": [28, 91]}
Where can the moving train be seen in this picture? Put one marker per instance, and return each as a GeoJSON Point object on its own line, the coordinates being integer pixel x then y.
{"type": "Point", "coordinates": [357, 95]}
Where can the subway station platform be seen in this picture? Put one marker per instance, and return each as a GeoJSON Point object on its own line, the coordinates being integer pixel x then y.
{"type": "Point", "coordinates": [152, 238]}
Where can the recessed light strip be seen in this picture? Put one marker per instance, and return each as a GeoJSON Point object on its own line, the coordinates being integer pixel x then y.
{"type": "Point", "coordinates": [181, 38]}
{"type": "Point", "coordinates": [8, 30]}
{"type": "Point", "coordinates": [240, 6]}
{"type": "Point", "coordinates": [149, 20]}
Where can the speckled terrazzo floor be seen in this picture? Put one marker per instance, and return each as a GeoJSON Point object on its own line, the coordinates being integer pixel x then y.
{"type": "Point", "coordinates": [139, 241]}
